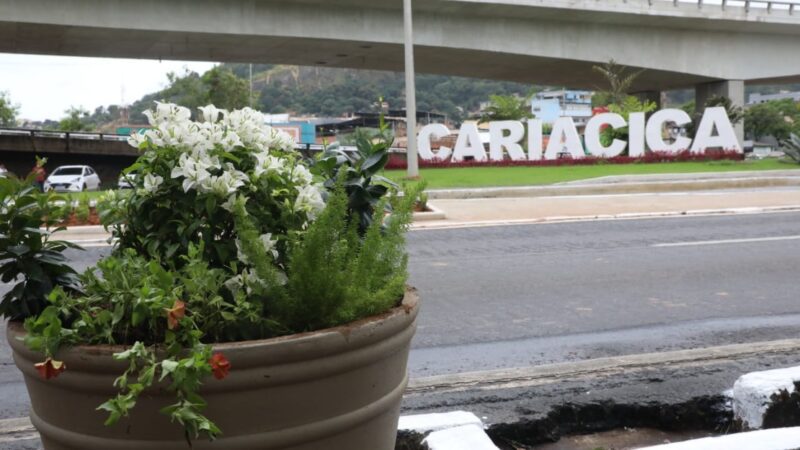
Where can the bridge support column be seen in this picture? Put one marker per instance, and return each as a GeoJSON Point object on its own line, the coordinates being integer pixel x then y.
{"type": "Point", "coordinates": [733, 89]}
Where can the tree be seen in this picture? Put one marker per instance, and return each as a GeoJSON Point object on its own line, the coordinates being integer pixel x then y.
{"type": "Point", "coordinates": [735, 113]}
{"type": "Point", "coordinates": [619, 80]}
{"type": "Point", "coordinates": [774, 118]}
{"type": "Point", "coordinates": [77, 120]}
{"type": "Point", "coordinates": [225, 90]}
{"type": "Point", "coordinates": [506, 107]}
{"type": "Point", "coordinates": [8, 110]}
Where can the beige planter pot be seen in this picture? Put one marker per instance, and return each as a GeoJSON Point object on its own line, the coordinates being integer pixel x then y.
{"type": "Point", "coordinates": [335, 389]}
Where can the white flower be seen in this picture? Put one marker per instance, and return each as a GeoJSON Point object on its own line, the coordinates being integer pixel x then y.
{"type": "Point", "coordinates": [225, 184]}
{"type": "Point", "coordinates": [136, 140]}
{"type": "Point", "coordinates": [234, 284]}
{"type": "Point", "coordinates": [152, 182]}
{"type": "Point", "coordinates": [301, 175]}
{"type": "Point", "coordinates": [229, 204]}
{"type": "Point", "coordinates": [231, 141]}
{"type": "Point", "coordinates": [167, 113]}
{"type": "Point", "coordinates": [309, 200]}
{"type": "Point", "coordinates": [269, 244]}
{"type": "Point", "coordinates": [266, 163]}
{"type": "Point", "coordinates": [211, 113]}
{"type": "Point", "coordinates": [282, 140]}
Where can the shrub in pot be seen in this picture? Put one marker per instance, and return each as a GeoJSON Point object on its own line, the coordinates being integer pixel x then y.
{"type": "Point", "coordinates": [248, 300]}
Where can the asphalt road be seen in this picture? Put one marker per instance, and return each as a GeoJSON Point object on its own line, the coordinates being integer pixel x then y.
{"type": "Point", "coordinates": [524, 295]}
{"type": "Point", "coordinates": [515, 296]}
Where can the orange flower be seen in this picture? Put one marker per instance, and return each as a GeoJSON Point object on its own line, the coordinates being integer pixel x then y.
{"type": "Point", "coordinates": [50, 368]}
{"type": "Point", "coordinates": [175, 314]}
{"type": "Point", "coordinates": [219, 365]}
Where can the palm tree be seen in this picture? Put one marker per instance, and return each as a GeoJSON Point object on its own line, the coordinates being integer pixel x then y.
{"type": "Point", "coordinates": [619, 81]}
{"type": "Point", "coordinates": [791, 147]}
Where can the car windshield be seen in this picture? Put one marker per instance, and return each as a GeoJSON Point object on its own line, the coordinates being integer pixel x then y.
{"type": "Point", "coordinates": [68, 171]}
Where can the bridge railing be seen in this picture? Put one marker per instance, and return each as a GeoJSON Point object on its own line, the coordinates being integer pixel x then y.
{"type": "Point", "coordinates": [306, 149]}
{"type": "Point", "coordinates": [57, 134]}
{"type": "Point", "coordinates": [791, 6]}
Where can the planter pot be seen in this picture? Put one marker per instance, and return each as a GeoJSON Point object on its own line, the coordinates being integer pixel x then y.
{"type": "Point", "coordinates": [333, 389]}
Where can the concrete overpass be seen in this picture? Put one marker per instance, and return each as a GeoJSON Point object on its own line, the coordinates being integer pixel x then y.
{"type": "Point", "coordinates": [716, 48]}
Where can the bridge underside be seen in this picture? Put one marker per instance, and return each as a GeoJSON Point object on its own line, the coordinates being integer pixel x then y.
{"type": "Point", "coordinates": [549, 42]}
{"type": "Point", "coordinates": [114, 43]}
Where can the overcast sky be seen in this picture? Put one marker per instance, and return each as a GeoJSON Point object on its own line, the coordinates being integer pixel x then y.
{"type": "Point", "coordinates": [45, 86]}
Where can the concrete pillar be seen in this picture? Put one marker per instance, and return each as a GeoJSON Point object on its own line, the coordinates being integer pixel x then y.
{"type": "Point", "coordinates": [650, 96]}
{"type": "Point", "coordinates": [733, 89]}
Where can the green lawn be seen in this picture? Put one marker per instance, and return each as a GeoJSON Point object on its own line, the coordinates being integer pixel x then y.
{"type": "Point", "coordinates": [91, 195]}
{"type": "Point", "coordinates": [521, 176]}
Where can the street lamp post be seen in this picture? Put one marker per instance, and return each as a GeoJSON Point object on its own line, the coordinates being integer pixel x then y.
{"type": "Point", "coordinates": [411, 94]}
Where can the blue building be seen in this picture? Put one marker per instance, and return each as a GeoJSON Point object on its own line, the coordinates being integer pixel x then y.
{"type": "Point", "coordinates": [550, 105]}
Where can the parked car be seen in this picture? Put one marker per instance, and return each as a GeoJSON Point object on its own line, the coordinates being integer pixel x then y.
{"type": "Point", "coordinates": [72, 179]}
{"type": "Point", "coordinates": [126, 180]}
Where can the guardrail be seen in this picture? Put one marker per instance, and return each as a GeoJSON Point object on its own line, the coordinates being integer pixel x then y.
{"type": "Point", "coordinates": [82, 135]}
{"type": "Point", "coordinates": [762, 5]}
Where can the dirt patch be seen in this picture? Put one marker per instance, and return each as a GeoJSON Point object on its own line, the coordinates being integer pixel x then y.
{"type": "Point", "coordinates": [784, 411]}
{"type": "Point", "coordinates": [710, 414]}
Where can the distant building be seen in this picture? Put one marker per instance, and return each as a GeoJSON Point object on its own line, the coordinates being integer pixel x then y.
{"type": "Point", "coordinates": [761, 98]}
{"type": "Point", "coordinates": [550, 105]}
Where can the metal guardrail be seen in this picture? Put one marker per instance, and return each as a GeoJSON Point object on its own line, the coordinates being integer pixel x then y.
{"type": "Point", "coordinates": [82, 135]}
{"type": "Point", "coordinates": [762, 5]}
{"type": "Point", "coordinates": [57, 134]}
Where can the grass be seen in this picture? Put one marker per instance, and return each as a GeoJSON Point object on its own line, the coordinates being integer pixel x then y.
{"type": "Point", "coordinates": [528, 176]}
{"type": "Point", "coordinates": [91, 195]}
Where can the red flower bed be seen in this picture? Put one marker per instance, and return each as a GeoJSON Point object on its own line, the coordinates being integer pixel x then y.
{"type": "Point", "coordinates": [651, 157]}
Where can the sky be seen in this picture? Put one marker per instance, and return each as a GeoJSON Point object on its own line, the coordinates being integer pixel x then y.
{"type": "Point", "coordinates": [45, 86]}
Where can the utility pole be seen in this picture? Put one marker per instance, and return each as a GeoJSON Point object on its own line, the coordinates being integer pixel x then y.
{"type": "Point", "coordinates": [251, 86]}
{"type": "Point", "coordinates": [411, 94]}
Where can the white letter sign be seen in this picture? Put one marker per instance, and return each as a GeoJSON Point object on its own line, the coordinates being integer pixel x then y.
{"type": "Point", "coordinates": [469, 144]}
{"type": "Point", "coordinates": [725, 139]}
{"type": "Point", "coordinates": [434, 130]}
{"type": "Point", "coordinates": [592, 135]}
{"type": "Point", "coordinates": [499, 140]}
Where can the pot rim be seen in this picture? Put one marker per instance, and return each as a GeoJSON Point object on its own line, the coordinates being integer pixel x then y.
{"type": "Point", "coordinates": [290, 348]}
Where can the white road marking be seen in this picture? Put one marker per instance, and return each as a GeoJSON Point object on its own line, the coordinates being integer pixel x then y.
{"type": "Point", "coordinates": [728, 241]}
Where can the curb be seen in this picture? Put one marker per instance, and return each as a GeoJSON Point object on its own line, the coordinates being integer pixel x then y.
{"type": "Point", "coordinates": [653, 187]}
{"type": "Point", "coordinates": [621, 216]}
{"type": "Point", "coordinates": [592, 368]}
{"type": "Point", "coordinates": [433, 213]}
{"type": "Point", "coordinates": [456, 430]}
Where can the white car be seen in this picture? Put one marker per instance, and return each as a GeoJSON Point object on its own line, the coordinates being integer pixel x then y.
{"type": "Point", "coordinates": [125, 181]}
{"type": "Point", "coordinates": [72, 179]}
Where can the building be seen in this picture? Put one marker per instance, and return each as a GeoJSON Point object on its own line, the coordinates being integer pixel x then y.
{"type": "Point", "coordinates": [550, 105]}
{"type": "Point", "coordinates": [755, 99]}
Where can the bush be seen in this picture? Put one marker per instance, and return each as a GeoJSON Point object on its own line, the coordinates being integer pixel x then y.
{"type": "Point", "coordinates": [27, 254]}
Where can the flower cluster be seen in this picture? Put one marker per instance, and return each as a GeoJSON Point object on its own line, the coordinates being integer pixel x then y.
{"type": "Point", "coordinates": [192, 173]}
{"type": "Point", "coordinates": [199, 165]}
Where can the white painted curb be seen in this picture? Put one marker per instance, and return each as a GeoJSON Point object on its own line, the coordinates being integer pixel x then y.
{"type": "Point", "coordinates": [467, 437]}
{"type": "Point", "coordinates": [774, 439]}
{"type": "Point", "coordinates": [752, 393]}
{"type": "Point", "coordinates": [456, 430]}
